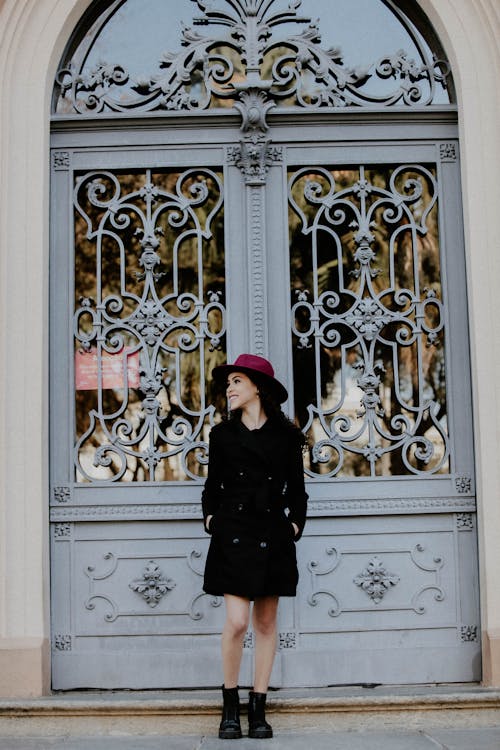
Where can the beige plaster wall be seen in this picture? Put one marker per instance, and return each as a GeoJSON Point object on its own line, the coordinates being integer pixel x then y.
{"type": "Point", "coordinates": [32, 37]}
{"type": "Point", "coordinates": [470, 32]}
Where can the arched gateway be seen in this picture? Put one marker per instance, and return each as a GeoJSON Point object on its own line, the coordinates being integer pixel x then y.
{"type": "Point", "coordinates": [235, 174]}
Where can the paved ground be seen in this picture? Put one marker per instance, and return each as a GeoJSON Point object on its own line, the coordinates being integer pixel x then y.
{"type": "Point", "coordinates": [458, 717]}
{"type": "Point", "coordinates": [438, 739]}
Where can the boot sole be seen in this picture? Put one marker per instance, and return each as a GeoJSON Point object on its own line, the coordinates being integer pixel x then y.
{"type": "Point", "coordinates": [230, 735]}
{"type": "Point", "coordinates": [262, 735]}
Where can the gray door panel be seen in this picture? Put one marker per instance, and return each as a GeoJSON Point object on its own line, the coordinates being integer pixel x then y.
{"type": "Point", "coordinates": [388, 588]}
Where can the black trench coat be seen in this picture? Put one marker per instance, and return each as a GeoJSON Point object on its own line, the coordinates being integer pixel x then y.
{"type": "Point", "coordinates": [254, 491]}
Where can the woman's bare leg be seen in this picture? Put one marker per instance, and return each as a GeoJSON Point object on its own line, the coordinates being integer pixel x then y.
{"type": "Point", "coordinates": [233, 634]}
{"type": "Point", "coordinates": [265, 612]}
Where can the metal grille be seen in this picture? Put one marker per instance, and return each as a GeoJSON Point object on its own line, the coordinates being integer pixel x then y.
{"type": "Point", "coordinates": [250, 43]}
{"type": "Point", "coordinates": [148, 321]}
{"type": "Point", "coordinates": [368, 323]}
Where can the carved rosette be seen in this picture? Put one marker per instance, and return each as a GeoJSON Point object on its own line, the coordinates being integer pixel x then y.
{"type": "Point", "coordinates": [61, 494]}
{"type": "Point", "coordinates": [62, 642]}
{"type": "Point", "coordinates": [62, 531]}
{"type": "Point", "coordinates": [464, 521]}
{"type": "Point", "coordinates": [61, 161]}
{"type": "Point", "coordinates": [448, 152]}
{"type": "Point", "coordinates": [287, 640]}
{"type": "Point", "coordinates": [153, 585]}
{"type": "Point", "coordinates": [463, 484]}
{"type": "Point", "coordinates": [469, 633]}
{"type": "Point", "coordinates": [375, 580]}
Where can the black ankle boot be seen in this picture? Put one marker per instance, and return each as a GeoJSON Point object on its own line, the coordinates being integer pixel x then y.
{"type": "Point", "coordinates": [230, 728]}
{"type": "Point", "coordinates": [258, 728]}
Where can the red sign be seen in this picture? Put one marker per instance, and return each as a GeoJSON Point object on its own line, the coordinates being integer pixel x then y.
{"type": "Point", "coordinates": [112, 369]}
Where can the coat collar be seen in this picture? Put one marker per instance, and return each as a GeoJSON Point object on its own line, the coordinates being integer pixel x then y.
{"type": "Point", "coordinates": [251, 440]}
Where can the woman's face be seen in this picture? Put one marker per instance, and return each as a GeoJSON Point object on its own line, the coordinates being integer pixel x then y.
{"type": "Point", "coordinates": [241, 392]}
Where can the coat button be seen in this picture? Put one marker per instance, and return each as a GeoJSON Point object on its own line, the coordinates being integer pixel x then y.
{"type": "Point", "coordinates": [236, 541]}
{"type": "Point", "coordinates": [263, 545]}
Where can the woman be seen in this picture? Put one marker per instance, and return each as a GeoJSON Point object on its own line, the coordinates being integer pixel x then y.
{"type": "Point", "coordinates": [254, 506]}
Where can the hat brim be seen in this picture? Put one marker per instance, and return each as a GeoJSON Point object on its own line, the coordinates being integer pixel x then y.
{"type": "Point", "coordinates": [280, 393]}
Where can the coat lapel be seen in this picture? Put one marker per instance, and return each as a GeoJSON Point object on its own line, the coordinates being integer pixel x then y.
{"type": "Point", "coordinates": [252, 444]}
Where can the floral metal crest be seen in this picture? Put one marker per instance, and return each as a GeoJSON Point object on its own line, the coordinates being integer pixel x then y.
{"type": "Point", "coordinates": [153, 585]}
{"type": "Point", "coordinates": [376, 580]}
{"type": "Point", "coordinates": [219, 69]}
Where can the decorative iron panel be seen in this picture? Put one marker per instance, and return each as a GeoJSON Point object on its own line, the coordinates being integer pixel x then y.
{"type": "Point", "coordinates": [373, 595]}
{"type": "Point", "coordinates": [160, 262]}
{"type": "Point", "coordinates": [368, 320]}
{"type": "Point", "coordinates": [149, 321]}
{"type": "Point", "coordinates": [242, 51]}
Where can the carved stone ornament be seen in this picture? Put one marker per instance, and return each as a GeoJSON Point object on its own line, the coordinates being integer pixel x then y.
{"type": "Point", "coordinates": [61, 161]}
{"type": "Point", "coordinates": [153, 586]}
{"type": "Point", "coordinates": [253, 157]}
{"type": "Point", "coordinates": [157, 511]}
{"type": "Point", "coordinates": [463, 484]}
{"type": "Point", "coordinates": [464, 521]}
{"type": "Point", "coordinates": [62, 642]}
{"type": "Point", "coordinates": [61, 494]}
{"type": "Point", "coordinates": [468, 633]}
{"type": "Point", "coordinates": [253, 108]}
{"type": "Point", "coordinates": [448, 152]}
{"type": "Point", "coordinates": [375, 580]}
{"type": "Point", "coordinates": [287, 640]}
{"type": "Point", "coordinates": [62, 530]}
{"type": "Point", "coordinates": [162, 511]}
{"type": "Point", "coordinates": [318, 588]}
{"type": "Point", "coordinates": [232, 61]}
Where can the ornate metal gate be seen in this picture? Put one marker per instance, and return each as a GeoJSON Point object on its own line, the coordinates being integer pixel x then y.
{"type": "Point", "coordinates": [189, 222]}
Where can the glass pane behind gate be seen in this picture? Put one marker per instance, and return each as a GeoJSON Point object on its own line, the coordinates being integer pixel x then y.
{"type": "Point", "coordinates": [368, 325]}
{"type": "Point", "coordinates": [149, 321]}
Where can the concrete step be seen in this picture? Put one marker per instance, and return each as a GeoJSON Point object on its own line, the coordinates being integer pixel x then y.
{"type": "Point", "coordinates": [197, 712]}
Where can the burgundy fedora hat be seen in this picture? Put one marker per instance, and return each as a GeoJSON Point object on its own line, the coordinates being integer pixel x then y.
{"type": "Point", "coordinates": [252, 364]}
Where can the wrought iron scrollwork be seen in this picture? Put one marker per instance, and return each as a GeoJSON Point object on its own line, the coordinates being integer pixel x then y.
{"type": "Point", "coordinates": [152, 324]}
{"type": "Point", "coordinates": [370, 325]}
{"type": "Point", "coordinates": [217, 69]}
